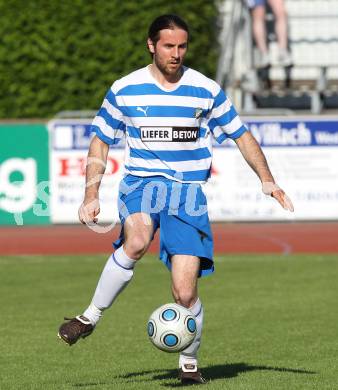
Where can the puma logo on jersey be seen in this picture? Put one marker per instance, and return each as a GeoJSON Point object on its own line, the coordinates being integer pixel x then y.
{"type": "Point", "coordinates": [144, 110]}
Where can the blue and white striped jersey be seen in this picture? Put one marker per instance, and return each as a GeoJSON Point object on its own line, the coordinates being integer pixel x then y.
{"type": "Point", "coordinates": [168, 132]}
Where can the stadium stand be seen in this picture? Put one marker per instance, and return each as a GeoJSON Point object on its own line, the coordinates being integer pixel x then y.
{"type": "Point", "coordinates": [310, 84]}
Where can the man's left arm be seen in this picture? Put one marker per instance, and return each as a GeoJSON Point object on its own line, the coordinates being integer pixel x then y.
{"type": "Point", "coordinates": [254, 156]}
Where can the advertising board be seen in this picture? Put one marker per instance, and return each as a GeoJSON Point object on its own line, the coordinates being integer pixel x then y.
{"type": "Point", "coordinates": [24, 174]}
{"type": "Point", "coordinates": [69, 146]}
{"type": "Point", "coordinates": [302, 154]}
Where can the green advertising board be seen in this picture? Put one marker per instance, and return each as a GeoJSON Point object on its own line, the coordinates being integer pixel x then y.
{"type": "Point", "coordinates": [24, 174]}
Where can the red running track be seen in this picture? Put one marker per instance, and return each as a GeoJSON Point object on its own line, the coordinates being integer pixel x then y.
{"type": "Point", "coordinates": [229, 238]}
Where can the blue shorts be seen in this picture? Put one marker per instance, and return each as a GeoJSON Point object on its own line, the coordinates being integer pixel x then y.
{"type": "Point", "coordinates": [255, 3]}
{"type": "Point", "coordinates": [179, 210]}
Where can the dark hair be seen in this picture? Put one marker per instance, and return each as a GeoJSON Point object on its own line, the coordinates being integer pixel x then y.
{"type": "Point", "coordinates": [169, 21]}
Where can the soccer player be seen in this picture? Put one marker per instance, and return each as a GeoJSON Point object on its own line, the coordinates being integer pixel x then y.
{"type": "Point", "coordinates": [168, 115]}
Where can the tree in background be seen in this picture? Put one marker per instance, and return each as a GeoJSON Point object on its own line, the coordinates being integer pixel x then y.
{"type": "Point", "coordinates": [61, 55]}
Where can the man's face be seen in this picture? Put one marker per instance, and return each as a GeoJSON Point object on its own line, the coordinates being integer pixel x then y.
{"type": "Point", "coordinates": [170, 50]}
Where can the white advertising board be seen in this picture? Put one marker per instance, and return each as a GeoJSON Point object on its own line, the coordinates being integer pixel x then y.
{"type": "Point", "coordinates": [302, 154]}
{"type": "Point", "coordinates": [308, 175]}
{"type": "Point", "coordinates": [69, 147]}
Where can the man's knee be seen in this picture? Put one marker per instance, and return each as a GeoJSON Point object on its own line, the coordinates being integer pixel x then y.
{"type": "Point", "coordinates": [136, 246]}
{"type": "Point", "coordinates": [184, 296]}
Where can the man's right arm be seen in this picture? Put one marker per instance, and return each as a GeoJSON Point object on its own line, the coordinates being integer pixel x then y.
{"type": "Point", "coordinates": [96, 165]}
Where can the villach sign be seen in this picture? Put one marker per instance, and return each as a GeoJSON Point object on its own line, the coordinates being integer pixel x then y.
{"type": "Point", "coordinates": [24, 174]}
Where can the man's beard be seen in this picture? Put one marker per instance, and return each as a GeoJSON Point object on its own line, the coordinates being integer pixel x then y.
{"type": "Point", "coordinates": [167, 70]}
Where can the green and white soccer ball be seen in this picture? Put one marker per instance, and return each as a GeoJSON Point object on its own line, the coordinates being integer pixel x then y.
{"type": "Point", "coordinates": [171, 328]}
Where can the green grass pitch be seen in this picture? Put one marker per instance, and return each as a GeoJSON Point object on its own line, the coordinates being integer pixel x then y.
{"type": "Point", "coordinates": [271, 322]}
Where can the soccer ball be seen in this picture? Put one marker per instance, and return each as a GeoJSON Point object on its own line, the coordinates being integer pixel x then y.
{"type": "Point", "coordinates": [172, 328]}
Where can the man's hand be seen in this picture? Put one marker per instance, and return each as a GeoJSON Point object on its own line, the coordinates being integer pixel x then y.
{"type": "Point", "coordinates": [276, 192]}
{"type": "Point", "coordinates": [283, 200]}
{"type": "Point", "coordinates": [89, 210]}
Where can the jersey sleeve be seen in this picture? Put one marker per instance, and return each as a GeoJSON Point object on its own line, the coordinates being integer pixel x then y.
{"type": "Point", "coordinates": [224, 122]}
{"type": "Point", "coordinates": [108, 123]}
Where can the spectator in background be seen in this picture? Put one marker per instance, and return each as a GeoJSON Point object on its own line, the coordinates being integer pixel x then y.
{"type": "Point", "coordinates": [258, 11]}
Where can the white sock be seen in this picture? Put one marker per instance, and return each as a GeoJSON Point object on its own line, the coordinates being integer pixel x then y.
{"type": "Point", "coordinates": [189, 355]}
{"type": "Point", "coordinates": [115, 276]}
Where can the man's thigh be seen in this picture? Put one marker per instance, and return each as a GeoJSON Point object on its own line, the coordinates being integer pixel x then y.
{"type": "Point", "coordinates": [139, 224]}
{"type": "Point", "coordinates": [179, 237]}
{"type": "Point", "coordinates": [136, 223]}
